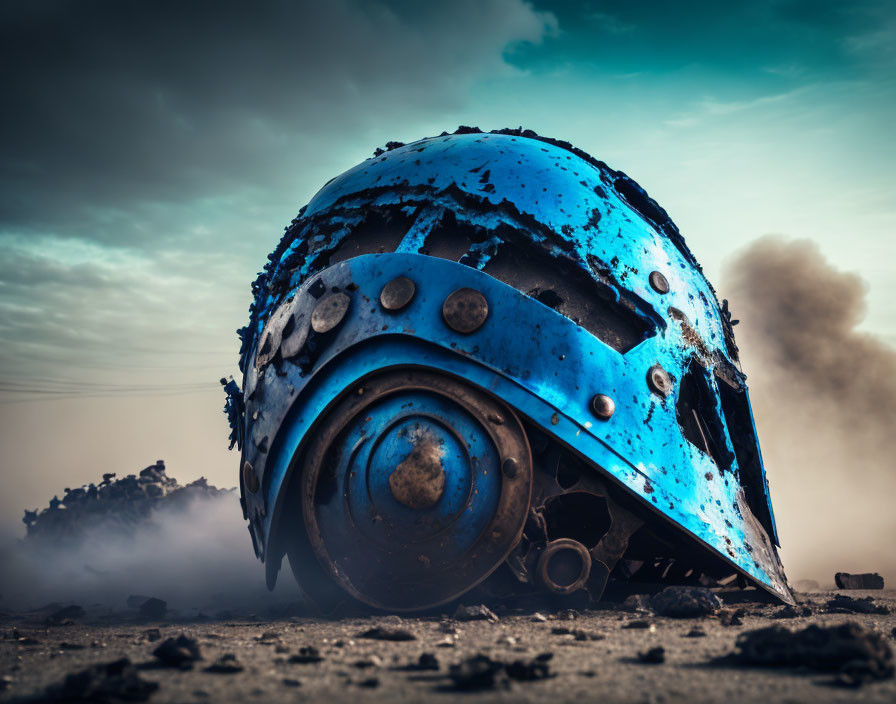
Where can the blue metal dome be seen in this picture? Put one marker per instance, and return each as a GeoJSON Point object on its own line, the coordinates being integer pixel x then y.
{"type": "Point", "coordinates": [462, 342]}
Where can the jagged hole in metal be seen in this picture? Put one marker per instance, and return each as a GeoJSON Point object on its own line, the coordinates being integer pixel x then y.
{"type": "Point", "coordinates": [698, 416]}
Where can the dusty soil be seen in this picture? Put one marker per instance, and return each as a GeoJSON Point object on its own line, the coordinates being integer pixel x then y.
{"type": "Point", "coordinates": [596, 659]}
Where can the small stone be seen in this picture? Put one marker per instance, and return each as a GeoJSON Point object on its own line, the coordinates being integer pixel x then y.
{"type": "Point", "coordinates": [695, 633]}
{"type": "Point", "coordinates": [685, 602]}
{"type": "Point", "coordinates": [475, 613]}
{"type": "Point", "coordinates": [636, 602]}
{"type": "Point", "coordinates": [639, 625]}
{"type": "Point", "coordinates": [858, 655]}
{"type": "Point", "coordinates": [289, 682]}
{"type": "Point", "coordinates": [179, 652]}
{"type": "Point", "coordinates": [475, 673]}
{"type": "Point", "coordinates": [227, 664]}
{"type": "Point", "coordinates": [531, 670]}
{"type": "Point", "coordinates": [841, 604]}
{"type": "Point", "coordinates": [449, 627]}
{"type": "Point", "coordinates": [427, 661]}
{"type": "Point", "coordinates": [539, 617]}
{"type": "Point", "coordinates": [372, 661]}
{"type": "Point", "coordinates": [307, 655]}
{"type": "Point", "coordinates": [152, 634]}
{"type": "Point", "coordinates": [654, 656]}
{"type": "Point", "coordinates": [109, 682]}
{"type": "Point", "coordinates": [731, 617]}
{"type": "Point", "coordinates": [70, 646]}
{"type": "Point", "coordinates": [369, 683]}
{"type": "Point", "coordinates": [789, 611]}
{"type": "Point", "coordinates": [391, 634]}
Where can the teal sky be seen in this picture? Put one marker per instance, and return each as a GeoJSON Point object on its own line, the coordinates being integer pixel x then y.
{"type": "Point", "coordinates": [152, 154]}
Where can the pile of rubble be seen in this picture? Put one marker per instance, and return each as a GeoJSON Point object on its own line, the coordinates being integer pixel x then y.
{"type": "Point", "coordinates": [118, 504]}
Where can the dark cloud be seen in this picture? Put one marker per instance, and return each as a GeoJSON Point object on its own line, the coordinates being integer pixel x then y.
{"type": "Point", "coordinates": [152, 152]}
{"type": "Point", "coordinates": [113, 103]}
{"type": "Point", "coordinates": [824, 396]}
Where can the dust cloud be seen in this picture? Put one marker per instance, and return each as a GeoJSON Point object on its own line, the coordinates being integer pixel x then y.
{"type": "Point", "coordinates": [824, 399]}
{"type": "Point", "coordinates": [193, 555]}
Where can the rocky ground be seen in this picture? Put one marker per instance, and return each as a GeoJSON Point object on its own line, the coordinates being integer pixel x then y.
{"type": "Point", "coordinates": [627, 653]}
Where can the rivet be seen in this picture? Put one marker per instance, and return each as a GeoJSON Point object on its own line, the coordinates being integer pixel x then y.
{"type": "Point", "coordinates": [397, 293]}
{"type": "Point", "coordinates": [294, 341]}
{"type": "Point", "coordinates": [510, 467]}
{"type": "Point", "coordinates": [603, 406]}
{"type": "Point", "coordinates": [659, 381]}
{"type": "Point", "coordinates": [465, 310]}
{"type": "Point", "coordinates": [250, 479]}
{"type": "Point", "coordinates": [658, 282]}
{"type": "Point", "coordinates": [329, 312]}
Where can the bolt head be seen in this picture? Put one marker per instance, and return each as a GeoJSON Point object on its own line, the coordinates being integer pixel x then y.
{"type": "Point", "coordinates": [658, 282]}
{"type": "Point", "coordinates": [465, 310]}
{"type": "Point", "coordinates": [329, 312]}
{"type": "Point", "coordinates": [603, 406]}
{"type": "Point", "coordinates": [659, 381]}
{"type": "Point", "coordinates": [250, 478]}
{"type": "Point", "coordinates": [397, 293]}
{"type": "Point", "coordinates": [510, 467]}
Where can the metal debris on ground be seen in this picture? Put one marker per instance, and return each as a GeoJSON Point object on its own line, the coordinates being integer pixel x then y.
{"type": "Point", "coordinates": [866, 580]}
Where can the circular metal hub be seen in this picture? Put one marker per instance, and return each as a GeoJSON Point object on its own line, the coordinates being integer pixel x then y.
{"type": "Point", "coordinates": [404, 497]}
{"type": "Point", "coordinates": [564, 566]}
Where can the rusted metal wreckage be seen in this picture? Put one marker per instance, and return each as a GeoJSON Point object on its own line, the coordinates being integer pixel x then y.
{"type": "Point", "coordinates": [490, 359]}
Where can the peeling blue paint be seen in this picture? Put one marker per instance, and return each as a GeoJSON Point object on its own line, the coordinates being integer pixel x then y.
{"type": "Point", "coordinates": [547, 196]}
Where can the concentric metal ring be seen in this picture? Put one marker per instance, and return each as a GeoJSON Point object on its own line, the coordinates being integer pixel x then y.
{"type": "Point", "coordinates": [404, 500]}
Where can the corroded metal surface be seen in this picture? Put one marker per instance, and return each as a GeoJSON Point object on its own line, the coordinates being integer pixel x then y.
{"type": "Point", "coordinates": [447, 522]}
{"type": "Point", "coordinates": [578, 289]}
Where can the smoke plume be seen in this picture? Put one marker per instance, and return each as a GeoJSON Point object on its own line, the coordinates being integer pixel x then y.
{"type": "Point", "coordinates": [824, 398]}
